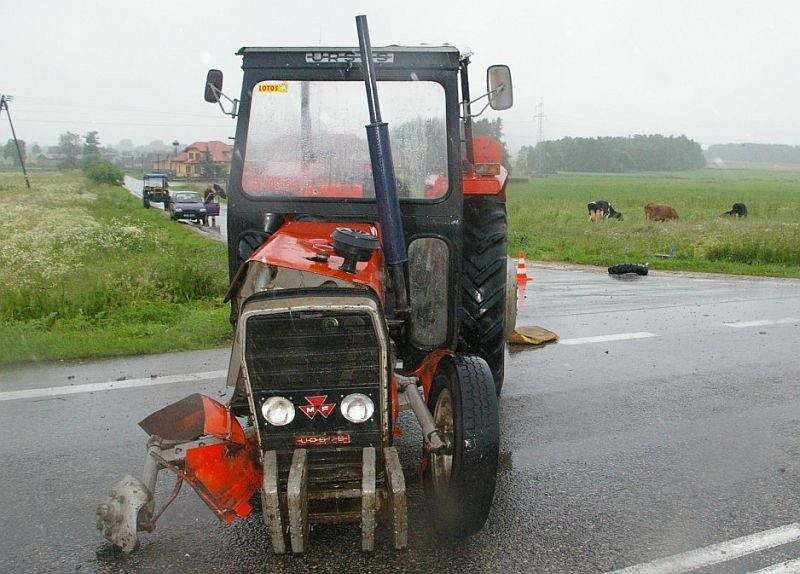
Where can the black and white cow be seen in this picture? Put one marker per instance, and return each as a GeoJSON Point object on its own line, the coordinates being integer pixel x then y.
{"type": "Point", "coordinates": [600, 209]}
{"type": "Point", "coordinates": [738, 210]}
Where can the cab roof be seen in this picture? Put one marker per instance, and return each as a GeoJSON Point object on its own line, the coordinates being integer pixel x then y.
{"type": "Point", "coordinates": [423, 56]}
{"type": "Point", "coordinates": [423, 48]}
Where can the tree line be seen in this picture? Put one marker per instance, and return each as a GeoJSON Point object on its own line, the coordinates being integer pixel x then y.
{"type": "Point", "coordinates": [69, 147]}
{"type": "Point", "coordinates": [74, 155]}
{"type": "Point", "coordinates": [613, 154]}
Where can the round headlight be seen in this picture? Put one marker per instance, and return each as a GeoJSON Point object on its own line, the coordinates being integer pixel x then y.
{"type": "Point", "coordinates": [278, 411]}
{"type": "Point", "coordinates": [357, 408]}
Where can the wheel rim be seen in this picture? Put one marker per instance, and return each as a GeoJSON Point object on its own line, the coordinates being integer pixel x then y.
{"type": "Point", "coordinates": [442, 462]}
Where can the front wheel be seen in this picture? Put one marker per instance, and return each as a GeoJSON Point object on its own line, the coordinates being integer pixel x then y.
{"type": "Point", "coordinates": [146, 201]}
{"type": "Point", "coordinates": [460, 481]}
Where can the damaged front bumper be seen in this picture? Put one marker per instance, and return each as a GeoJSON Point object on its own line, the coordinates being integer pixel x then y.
{"type": "Point", "coordinates": [202, 443]}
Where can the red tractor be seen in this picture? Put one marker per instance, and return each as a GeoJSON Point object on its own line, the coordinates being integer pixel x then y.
{"type": "Point", "coordinates": [367, 278]}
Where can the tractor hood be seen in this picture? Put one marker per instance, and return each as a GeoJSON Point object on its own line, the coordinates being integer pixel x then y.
{"type": "Point", "coordinates": [301, 254]}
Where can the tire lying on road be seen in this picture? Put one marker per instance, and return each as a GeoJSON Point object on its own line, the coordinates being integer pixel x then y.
{"type": "Point", "coordinates": [623, 268]}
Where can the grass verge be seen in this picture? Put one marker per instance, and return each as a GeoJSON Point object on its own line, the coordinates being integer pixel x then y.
{"type": "Point", "coordinates": [94, 274]}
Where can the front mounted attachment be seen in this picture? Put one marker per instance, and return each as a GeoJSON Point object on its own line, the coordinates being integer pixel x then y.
{"type": "Point", "coordinates": [206, 447]}
{"type": "Point", "coordinates": [202, 443]}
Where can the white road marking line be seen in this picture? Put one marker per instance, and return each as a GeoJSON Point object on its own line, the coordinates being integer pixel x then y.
{"type": "Point", "coordinates": [763, 322]}
{"type": "Point", "coordinates": [605, 338]}
{"type": "Point", "coordinates": [788, 567]}
{"type": "Point", "coordinates": [109, 386]}
{"type": "Point", "coordinates": [717, 553]}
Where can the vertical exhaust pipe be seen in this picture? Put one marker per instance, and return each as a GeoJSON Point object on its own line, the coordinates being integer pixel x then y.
{"type": "Point", "coordinates": [380, 154]}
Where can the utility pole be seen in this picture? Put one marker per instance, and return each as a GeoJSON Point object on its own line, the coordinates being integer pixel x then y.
{"type": "Point", "coordinates": [4, 99]}
{"type": "Point", "coordinates": [540, 134]}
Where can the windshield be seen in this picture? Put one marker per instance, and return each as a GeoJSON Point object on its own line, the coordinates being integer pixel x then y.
{"type": "Point", "coordinates": [307, 139]}
{"type": "Point", "coordinates": [187, 198]}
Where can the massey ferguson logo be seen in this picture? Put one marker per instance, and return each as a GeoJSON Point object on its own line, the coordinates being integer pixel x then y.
{"type": "Point", "coordinates": [316, 404]}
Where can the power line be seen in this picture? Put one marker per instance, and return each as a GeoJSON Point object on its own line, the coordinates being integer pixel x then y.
{"type": "Point", "coordinates": [103, 105]}
{"type": "Point", "coordinates": [539, 116]}
{"type": "Point", "coordinates": [119, 123]}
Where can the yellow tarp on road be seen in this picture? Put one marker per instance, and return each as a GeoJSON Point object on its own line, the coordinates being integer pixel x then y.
{"type": "Point", "coordinates": [531, 336]}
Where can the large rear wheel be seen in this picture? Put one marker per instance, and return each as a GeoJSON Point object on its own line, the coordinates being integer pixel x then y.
{"type": "Point", "coordinates": [460, 481]}
{"type": "Point", "coordinates": [484, 286]}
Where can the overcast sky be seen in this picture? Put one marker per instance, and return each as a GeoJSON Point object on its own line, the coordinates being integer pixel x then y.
{"type": "Point", "coordinates": [717, 71]}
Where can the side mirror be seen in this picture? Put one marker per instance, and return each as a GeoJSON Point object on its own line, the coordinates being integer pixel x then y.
{"type": "Point", "coordinates": [498, 84]}
{"type": "Point", "coordinates": [213, 86]}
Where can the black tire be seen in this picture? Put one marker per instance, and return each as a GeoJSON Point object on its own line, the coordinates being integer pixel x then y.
{"type": "Point", "coordinates": [146, 201]}
{"type": "Point", "coordinates": [484, 283]}
{"type": "Point", "coordinates": [623, 268]}
{"type": "Point", "coordinates": [459, 485]}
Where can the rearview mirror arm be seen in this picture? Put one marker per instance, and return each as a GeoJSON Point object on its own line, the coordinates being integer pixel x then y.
{"type": "Point", "coordinates": [220, 96]}
{"type": "Point", "coordinates": [486, 95]}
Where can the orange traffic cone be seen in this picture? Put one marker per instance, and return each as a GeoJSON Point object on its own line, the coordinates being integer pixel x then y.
{"type": "Point", "coordinates": [522, 273]}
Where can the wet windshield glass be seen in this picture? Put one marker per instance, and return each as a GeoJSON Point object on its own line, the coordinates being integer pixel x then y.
{"type": "Point", "coordinates": [307, 139]}
{"type": "Point", "coordinates": [187, 198]}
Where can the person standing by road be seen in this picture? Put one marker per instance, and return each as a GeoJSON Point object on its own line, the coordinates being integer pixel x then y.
{"type": "Point", "coordinates": [208, 197]}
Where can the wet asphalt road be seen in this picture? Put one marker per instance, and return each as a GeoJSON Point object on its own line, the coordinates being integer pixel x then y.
{"type": "Point", "coordinates": [614, 452]}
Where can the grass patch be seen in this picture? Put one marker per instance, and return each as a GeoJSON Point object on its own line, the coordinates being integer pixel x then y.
{"type": "Point", "coordinates": [548, 220]}
{"type": "Point", "coordinates": [94, 274]}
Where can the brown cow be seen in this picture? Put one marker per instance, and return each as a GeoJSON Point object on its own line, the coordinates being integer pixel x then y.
{"type": "Point", "coordinates": [659, 212]}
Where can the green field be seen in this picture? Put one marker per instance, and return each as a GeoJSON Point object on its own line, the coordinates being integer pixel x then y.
{"type": "Point", "coordinates": [89, 272]}
{"type": "Point", "coordinates": [548, 220]}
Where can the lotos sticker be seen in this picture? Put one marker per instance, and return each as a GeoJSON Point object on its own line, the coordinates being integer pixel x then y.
{"type": "Point", "coordinates": [272, 88]}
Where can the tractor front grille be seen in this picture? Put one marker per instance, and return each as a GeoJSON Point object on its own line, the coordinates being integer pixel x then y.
{"type": "Point", "coordinates": [324, 349]}
{"type": "Point", "coordinates": [314, 347]}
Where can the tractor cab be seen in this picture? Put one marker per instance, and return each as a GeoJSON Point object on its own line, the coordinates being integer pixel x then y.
{"type": "Point", "coordinates": [302, 153]}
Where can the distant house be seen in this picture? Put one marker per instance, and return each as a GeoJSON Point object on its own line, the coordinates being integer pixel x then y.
{"type": "Point", "coordinates": [203, 159]}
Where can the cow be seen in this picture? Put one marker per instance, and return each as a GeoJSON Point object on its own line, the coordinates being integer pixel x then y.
{"type": "Point", "coordinates": [602, 209]}
{"type": "Point", "coordinates": [738, 210]}
{"type": "Point", "coordinates": [659, 212]}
